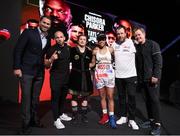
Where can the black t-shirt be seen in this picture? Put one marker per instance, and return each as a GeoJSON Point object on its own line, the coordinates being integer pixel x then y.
{"type": "Point", "coordinates": [61, 65]}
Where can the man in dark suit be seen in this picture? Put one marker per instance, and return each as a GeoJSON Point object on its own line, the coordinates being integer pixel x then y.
{"type": "Point", "coordinates": [28, 67]}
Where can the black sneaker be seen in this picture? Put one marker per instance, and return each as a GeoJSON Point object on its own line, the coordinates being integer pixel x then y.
{"type": "Point", "coordinates": [75, 120]}
{"type": "Point", "coordinates": [26, 130]}
{"type": "Point", "coordinates": [146, 124]}
{"type": "Point", "coordinates": [156, 131]}
{"type": "Point", "coordinates": [36, 124]}
{"type": "Point", "coordinates": [84, 119]}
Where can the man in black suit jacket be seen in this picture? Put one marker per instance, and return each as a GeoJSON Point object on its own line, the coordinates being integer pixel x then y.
{"type": "Point", "coordinates": [29, 68]}
{"type": "Point", "coordinates": [149, 65]}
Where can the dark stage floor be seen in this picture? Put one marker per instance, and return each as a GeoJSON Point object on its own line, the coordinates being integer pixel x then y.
{"type": "Point", "coordinates": [10, 121]}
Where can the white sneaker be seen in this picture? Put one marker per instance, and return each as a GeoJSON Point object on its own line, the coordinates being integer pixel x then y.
{"type": "Point", "coordinates": [58, 124]}
{"type": "Point", "coordinates": [122, 120]}
{"type": "Point", "coordinates": [65, 117]}
{"type": "Point", "coordinates": [133, 125]}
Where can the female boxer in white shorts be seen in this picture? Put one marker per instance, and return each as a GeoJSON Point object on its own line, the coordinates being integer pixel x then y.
{"type": "Point", "coordinates": [105, 78]}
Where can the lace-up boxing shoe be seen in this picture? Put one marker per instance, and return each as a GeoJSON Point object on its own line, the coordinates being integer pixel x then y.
{"type": "Point", "coordinates": [104, 119]}
{"type": "Point", "coordinates": [112, 122]}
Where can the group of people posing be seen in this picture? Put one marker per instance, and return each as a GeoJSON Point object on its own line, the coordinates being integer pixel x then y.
{"type": "Point", "coordinates": [125, 64]}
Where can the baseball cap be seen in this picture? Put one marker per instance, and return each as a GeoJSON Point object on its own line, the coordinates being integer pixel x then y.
{"type": "Point", "coordinates": [101, 36]}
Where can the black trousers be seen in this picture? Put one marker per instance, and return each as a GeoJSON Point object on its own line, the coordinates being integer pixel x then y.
{"type": "Point", "coordinates": [126, 88]}
{"type": "Point", "coordinates": [151, 96]}
{"type": "Point", "coordinates": [59, 89]}
{"type": "Point", "coordinates": [31, 88]}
